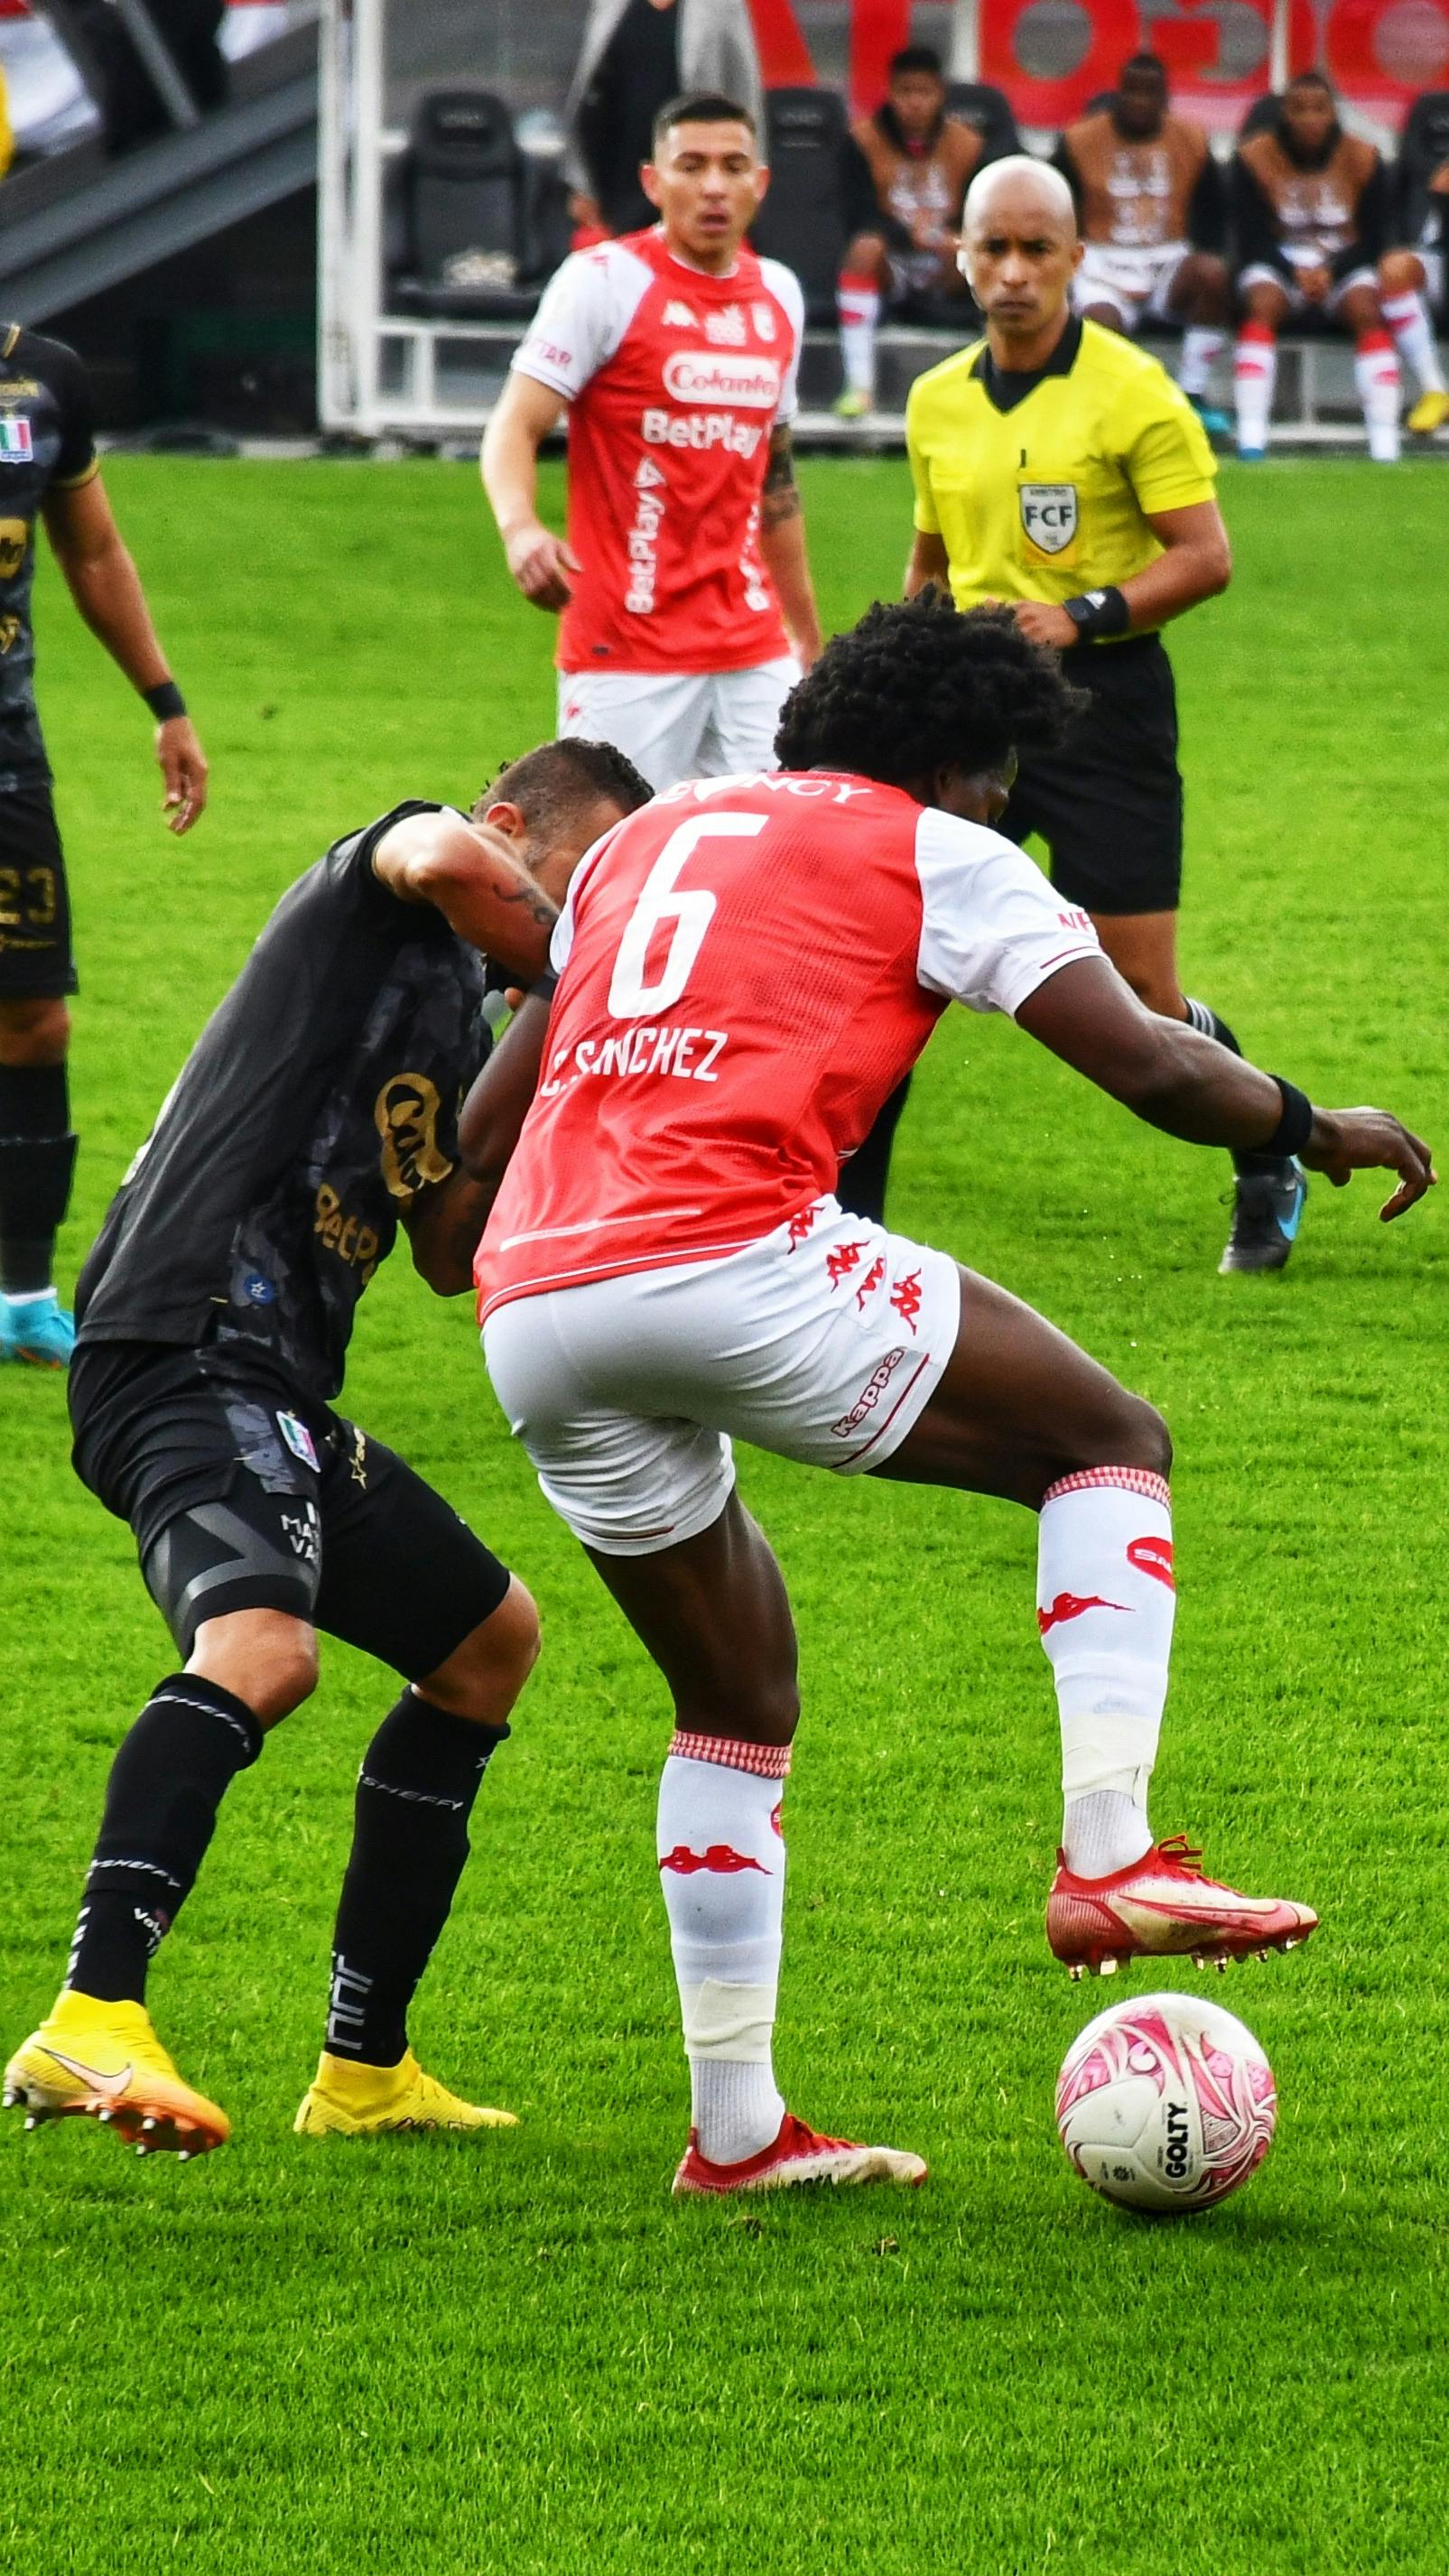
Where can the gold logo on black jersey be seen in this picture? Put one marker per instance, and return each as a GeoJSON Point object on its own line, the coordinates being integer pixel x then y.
{"type": "Point", "coordinates": [407, 1121]}
{"type": "Point", "coordinates": [14, 538]}
{"type": "Point", "coordinates": [9, 629]}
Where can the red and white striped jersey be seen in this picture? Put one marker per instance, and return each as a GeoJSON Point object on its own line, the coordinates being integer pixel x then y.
{"type": "Point", "coordinates": [675, 381]}
{"type": "Point", "coordinates": [748, 968]}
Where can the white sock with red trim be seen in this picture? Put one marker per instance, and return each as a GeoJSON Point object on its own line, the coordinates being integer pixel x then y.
{"type": "Point", "coordinates": [722, 1869]}
{"type": "Point", "coordinates": [1105, 1602]}
{"type": "Point", "coordinates": [1202, 346]}
{"type": "Point", "coordinates": [1407, 316]}
{"type": "Point", "coordinates": [1376, 374]}
{"type": "Point", "coordinates": [1255, 373]}
{"type": "Point", "coordinates": [857, 304]}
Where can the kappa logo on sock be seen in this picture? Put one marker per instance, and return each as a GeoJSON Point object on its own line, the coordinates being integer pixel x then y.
{"type": "Point", "coordinates": [1072, 1605]}
{"type": "Point", "coordinates": [722, 1858]}
{"type": "Point", "coordinates": [1153, 1556]}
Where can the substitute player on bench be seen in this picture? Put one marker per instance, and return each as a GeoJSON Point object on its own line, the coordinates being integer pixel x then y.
{"type": "Point", "coordinates": [744, 974]}
{"type": "Point", "coordinates": [314, 1116]}
{"type": "Point", "coordinates": [674, 352]}
{"type": "Point", "coordinates": [48, 470]}
{"type": "Point", "coordinates": [1058, 468]}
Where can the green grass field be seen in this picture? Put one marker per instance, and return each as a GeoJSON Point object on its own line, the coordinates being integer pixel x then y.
{"type": "Point", "coordinates": [519, 2353]}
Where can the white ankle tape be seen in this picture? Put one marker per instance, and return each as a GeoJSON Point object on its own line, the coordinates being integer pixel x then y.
{"type": "Point", "coordinates": [728, 2021]}
{"type": "Point", "coordinates": [1103, 1751]}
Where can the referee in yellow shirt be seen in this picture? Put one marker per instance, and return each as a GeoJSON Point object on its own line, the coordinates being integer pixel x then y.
{"type": "Point", "coordinates": [1058, 468]}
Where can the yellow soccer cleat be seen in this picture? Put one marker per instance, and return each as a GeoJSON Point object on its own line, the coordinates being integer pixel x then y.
{"type": "Point", "coordinates": [852, 406]}
{"type": "Point", "coordinates": [99, 2061]}
{"type": "Point", "coordinates": [1430, 412]}
{"type": "Point", "coordinates": [350, 2101]}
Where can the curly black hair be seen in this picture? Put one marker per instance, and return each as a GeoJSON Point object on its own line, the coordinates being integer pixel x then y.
{"type": "Point", "coordinates": [916, 688]}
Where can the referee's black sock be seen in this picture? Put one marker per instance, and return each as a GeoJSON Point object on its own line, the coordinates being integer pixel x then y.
{"type": "Point", "coordinates": [37, 1158]}
{"type": "Point", "coordinates": [1207, 1023]}
{"type": "Point", "coordinates": [415, 1792]}
{"type": "Point", "coordinates": [166, 1784]}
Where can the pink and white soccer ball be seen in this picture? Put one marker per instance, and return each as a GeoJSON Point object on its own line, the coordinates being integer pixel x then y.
{"type": "Point", "coordinates": [1166, 2103]}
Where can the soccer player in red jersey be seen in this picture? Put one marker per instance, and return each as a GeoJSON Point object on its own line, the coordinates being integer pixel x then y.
{"type": "Point", "coordinates": [745, 970]}
{"type": "Point", "coordinates": [674, 352]}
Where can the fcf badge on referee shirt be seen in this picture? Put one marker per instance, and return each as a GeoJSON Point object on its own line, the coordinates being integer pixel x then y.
{"type": "Point", "coordinates": [1049, 516]}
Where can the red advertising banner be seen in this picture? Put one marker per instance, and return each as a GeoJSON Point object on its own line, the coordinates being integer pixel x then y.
{"type": "Point", "coordinates": [1052, 56]}
{"type": "Point", "coordinates": [1379, 53]}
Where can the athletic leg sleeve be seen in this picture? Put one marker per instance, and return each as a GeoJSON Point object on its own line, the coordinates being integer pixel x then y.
{"type": "Point", "coordinates": [1105, 1602]}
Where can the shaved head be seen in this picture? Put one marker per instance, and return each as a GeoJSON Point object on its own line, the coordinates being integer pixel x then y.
{"type": "Point", "coordinates": [1025, 188]}
{"type": "Point", "coordinates": [1020, 253]}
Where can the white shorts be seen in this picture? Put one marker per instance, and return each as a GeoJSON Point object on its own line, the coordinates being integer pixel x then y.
{"type": "Point", "coordinates": [1261, 273]}
{"type": "Point", "coordinates": [1136, 283]}
{"type": "Point", "coordinates": [823, 1342]}
{"type": "Point", "coordinates": [704, 724]}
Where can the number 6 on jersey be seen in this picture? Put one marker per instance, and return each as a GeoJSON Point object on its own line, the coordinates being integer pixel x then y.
{"type": "Point", "coordinates": [630, 994]}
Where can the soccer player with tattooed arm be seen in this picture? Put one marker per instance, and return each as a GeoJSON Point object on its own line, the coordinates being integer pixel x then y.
{"type": "Point", "coordinates": [745, 971]}
{"type": "Point", "coordinates": [313, 1120]}
{"type": "Point", "coordinates": [1059, 470]}
{"type": "Point", "coordinates": [682, 587]}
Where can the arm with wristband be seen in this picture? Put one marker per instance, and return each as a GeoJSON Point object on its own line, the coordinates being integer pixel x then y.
{"type": "Point", "coordinates": [106, 587]}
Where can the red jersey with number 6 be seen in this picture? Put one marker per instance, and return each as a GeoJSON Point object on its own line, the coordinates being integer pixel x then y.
{"type": "Point", "coordinates": [748, 967]}
{"type": "Point", "coordinates": [675, 381]}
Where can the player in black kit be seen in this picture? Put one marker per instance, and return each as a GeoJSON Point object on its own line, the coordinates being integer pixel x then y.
{"type": "Point", "coordinates": [315, 1114]}
{"type": "Point", "coordinates": [48, 469]}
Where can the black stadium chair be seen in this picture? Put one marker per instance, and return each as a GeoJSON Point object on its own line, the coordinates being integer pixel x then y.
{"type": "Point", "coordinates": [803, 219]}
{"type": "Point", "coordinates": [1262, 114]}
{"type": "Point", "coordinates": [988, 110]}
{"type": "Point", "coordinates": [1423, 149]}
{"type": "Point", "coordinates": [463, 207]}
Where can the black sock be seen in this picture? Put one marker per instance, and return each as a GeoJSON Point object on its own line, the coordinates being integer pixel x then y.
{"type": "Point", "coordinates": [1206, 1021]}
{"type": "Point", "coordinates": [415, 1793]}
{"type": "Point", "coordinates": [37, 1158]}
{"type": "Point", "coordinates": [185, 1749]}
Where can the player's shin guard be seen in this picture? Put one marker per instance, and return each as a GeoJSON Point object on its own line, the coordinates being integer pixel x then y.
{"type": "Point", "coordinates": [857, 304]}
{"type": "Point", "coordinates": [1407, 316]}
{"type": "Point", "coordinates": [1201, 348]}
{"type": "Point", "coordinates": [415, 1792]}
{"type": "Point", "coordinates": [37, 1162]}
{"type": "Point", "coordinates": [1376, 374]}
{"type": "Point", "coordinates": [722, 1869]}
{"type": "Point", "coordinates": [166, 1784]}
{"type": "Point", "coordinates": [1255, 373]}
{"type": "Point", "coordinates": [1105, 1601]}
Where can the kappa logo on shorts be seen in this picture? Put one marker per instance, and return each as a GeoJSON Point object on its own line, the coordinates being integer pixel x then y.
{"type": "Point", "coordinates": [1049, 515]}
{"type": "Point", "coordinates": [869, 1396]}
{"type": "Point", "coordinates": [298, 1439]}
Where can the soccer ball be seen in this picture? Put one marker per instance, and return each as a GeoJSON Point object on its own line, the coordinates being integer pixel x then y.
{"type": "Point", "coordinates": [1166, 2103]}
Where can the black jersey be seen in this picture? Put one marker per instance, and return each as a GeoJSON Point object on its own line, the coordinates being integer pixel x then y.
{"type": "Point", "coordinates": [321, 1096]}
{"type": "Point", "coordinates": [46, 443]}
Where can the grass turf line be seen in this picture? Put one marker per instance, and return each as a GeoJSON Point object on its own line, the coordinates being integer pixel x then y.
{"type": "Point", "coordinates": [519, 2351]}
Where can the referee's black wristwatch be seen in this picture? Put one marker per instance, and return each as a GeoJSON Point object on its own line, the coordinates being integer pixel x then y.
{"type": "Point", "coordinates": [1096, 613]}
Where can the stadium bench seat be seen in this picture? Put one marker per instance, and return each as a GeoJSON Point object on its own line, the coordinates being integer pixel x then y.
{"type": "Point", "coordinates": [1423, 147]}
{"type": "Point", "coordinates": [803, 219]}
{"type": "Point", "coordinates": [477, 225]}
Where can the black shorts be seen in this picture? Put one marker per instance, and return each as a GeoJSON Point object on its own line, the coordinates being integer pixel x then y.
{"type": "Point", "coordinates": [1109, 804]}
{"type": "Point", "coordinates": [242, 1501]}
{"type": "Point", "coordinates": [36, 964]}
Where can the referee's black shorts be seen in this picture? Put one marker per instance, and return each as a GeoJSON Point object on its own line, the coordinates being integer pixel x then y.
{"type": "Point", "coordinates": [241, 1501]}
{"type": "Point", "coordinates": [1109, 804]}
{"type": "Point", "coordinates": [36, 964]}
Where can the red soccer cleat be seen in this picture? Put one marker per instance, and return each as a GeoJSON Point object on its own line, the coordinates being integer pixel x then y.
{"type": "Point", "coordinates": [798, 2155]}
{"type": "Point", "coordinates": [1163, 1907]}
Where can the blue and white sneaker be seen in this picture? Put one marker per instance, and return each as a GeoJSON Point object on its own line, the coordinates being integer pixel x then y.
{"type": "Point", "coordinates": [37, 1330]}
{"type": "Point", "coordinates": [1214, 420]}
{"type": "Point", "coordinates": [1267, 1212]}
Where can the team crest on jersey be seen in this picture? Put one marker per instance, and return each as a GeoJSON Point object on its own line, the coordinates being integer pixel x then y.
{"type": "Point", "coordinates": [16, 444]}
{"type": "Point", "coordinates": [726, 329]}
{"type": "Point", "coordinates": [678, 317]}
{"type": "Point", "coordinates": [1049, 515]}
{"type": "Point", "coordinates": [763, 318]}
{"type": "Point", "coordinates": [14, 538]}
